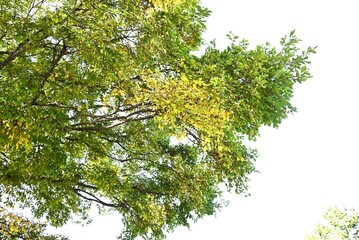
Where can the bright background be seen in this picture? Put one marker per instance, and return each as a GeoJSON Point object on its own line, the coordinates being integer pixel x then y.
{"type": "Point", "coordinates": [311, 161]}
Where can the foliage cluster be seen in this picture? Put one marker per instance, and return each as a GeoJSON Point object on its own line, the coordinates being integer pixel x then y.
{"type": "Point", "coordinates": [339, 224]}
{"type": "Point", "coordinates": [14, 227]}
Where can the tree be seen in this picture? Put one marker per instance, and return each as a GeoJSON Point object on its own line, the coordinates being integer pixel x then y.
{"type": "Point", "coordinates": [339, 224]}
{"type": "Point", "coordinates": [95, 93]}
{"type": "Point", "coordinates": [14, 226]}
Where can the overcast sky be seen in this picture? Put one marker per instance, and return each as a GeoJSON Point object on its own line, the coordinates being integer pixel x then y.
{"type": "Point", "coordinates": [311, 161]}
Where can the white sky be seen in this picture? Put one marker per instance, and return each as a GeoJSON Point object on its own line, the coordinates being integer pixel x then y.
{"type": "Point", "coordinates": [311, 161]}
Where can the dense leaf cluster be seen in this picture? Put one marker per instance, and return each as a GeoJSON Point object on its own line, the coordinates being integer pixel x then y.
{"type": "Point", "coordinates": [338, 224]}
{"type": "Point", "coordinates": [14, 227]}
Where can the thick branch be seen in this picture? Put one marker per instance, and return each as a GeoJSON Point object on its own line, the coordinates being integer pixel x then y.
{"type": "Point", "coordinates": [105, 128]}
{"type": "Point", "coordinates": [106, 118]}
{"type": "Point", "coordinates": [54, 104]}
{"type": "Point", "coordinates": [4, 155]}
{"type": "Point", "coordinates": [91, 197]}
{"type": "Point", "coordinates": [2, 36]}
{"type": "Point", "coordinates": [55, 60]}
{"type": "Point", "coordinates": [86, 185]}
{"type": "Point", "coordinates": [14, 54]}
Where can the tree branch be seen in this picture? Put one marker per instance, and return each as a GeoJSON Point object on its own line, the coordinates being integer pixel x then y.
{"type": "Point", "coordinates": [105, 128]}
{"type": "Point", "coordinates": [14, 54]}
{"type": "Point", "coordinates": [33, 6]}
{"type": "Point", "coordinates": [91, 197]}
{"type": "Point", "coordinates": [2, 36]}
{"type": "Point", "coordinates": [55, 60]}
{"type": "Point", "coordinates": [54, 104]}
{"type": "Point", "coordinates": [86, 185]}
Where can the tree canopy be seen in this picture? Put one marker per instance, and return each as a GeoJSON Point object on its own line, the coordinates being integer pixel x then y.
{"type": "Point", "coordinates": [104, 101]}
{"type": "Point", "coordinates": [339, 224]}
{"type": "Point", "coordinates": [14, 227]}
